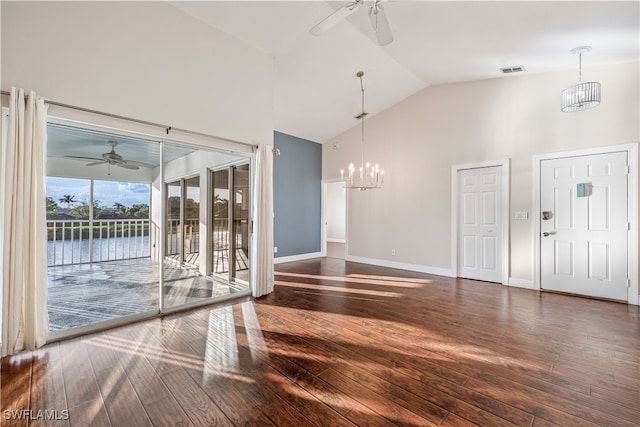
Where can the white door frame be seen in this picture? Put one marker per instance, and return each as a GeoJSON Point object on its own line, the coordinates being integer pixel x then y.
{"type": "Point", "coordinates": [632, 207]}
{"type": "Point", "coordinates": [505, 174]}
{"type": "Point", "coordinates": [323, 219]}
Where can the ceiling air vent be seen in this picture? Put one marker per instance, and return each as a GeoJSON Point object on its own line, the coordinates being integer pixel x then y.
{"type": "Point", "coordinates": [515, 69]}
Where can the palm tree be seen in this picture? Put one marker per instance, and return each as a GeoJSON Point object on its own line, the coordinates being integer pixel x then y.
{"type": "Point", "coordinates": [68, 199]}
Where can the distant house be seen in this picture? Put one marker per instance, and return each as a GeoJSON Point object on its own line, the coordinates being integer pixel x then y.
{"type": "Point", "coordinates": [61, 216]}
{"type": "Point", "coordinates": [108, 213]}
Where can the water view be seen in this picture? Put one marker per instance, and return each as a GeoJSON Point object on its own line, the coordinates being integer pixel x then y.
{"type": "Point", "coordinates": [106, 249]}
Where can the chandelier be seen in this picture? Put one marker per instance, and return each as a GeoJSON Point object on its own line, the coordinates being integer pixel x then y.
{"type": "Point", "coordinates": [368, 176]}
{"type": "Point", "coordinates": [583, 95]}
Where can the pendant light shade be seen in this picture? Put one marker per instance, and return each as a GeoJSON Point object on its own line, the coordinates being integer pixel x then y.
{"type": "Point", "coordinates": [583, 95]}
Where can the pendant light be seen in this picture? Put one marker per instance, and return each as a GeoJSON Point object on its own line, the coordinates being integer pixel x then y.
{"type": "Point", "coordinates": [368, 176]}
{"type": "Point", "coordinates": [583, 95]}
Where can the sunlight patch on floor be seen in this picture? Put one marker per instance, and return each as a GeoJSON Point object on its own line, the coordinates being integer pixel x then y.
{"type": "Point", "coordinates": [393, 280]}
{"type": "Point", "coordinates": [365, 279]}
{"type": "Point", "coordinates": [339, 289]}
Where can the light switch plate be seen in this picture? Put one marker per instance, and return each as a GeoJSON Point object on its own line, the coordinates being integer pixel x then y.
{"type": "Point", "coordinates": [521, 215]}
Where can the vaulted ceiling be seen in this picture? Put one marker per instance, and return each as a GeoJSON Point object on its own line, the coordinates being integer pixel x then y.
{"type": "Point", "coordinates": [316, 93]}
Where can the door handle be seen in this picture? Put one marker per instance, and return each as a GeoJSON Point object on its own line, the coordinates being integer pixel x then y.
{"type": "Point", "coordinates": [547, 233]}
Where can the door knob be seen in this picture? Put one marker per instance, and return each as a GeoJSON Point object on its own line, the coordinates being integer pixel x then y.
{"type": "Point", "coordinates": [546, 234]}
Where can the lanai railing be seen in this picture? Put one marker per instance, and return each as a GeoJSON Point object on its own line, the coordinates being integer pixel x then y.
{"type": "Point", "coordinates": [85, 241]}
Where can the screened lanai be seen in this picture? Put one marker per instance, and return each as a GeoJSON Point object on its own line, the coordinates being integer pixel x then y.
{"type": "Point", "coordinates": [136, 226]}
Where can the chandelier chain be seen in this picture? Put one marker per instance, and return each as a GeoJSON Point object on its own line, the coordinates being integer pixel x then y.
{"type": "Point", "coordinates": [362, 122]}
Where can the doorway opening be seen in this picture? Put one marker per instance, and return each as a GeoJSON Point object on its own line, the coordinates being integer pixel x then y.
{"type": "Point", "coordinates": [334, 224]}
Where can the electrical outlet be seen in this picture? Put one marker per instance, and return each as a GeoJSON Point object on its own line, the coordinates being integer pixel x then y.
{"type": "Point", "coordinates": [275, 249]}
{"type": "Point", "coordinates": [393, 252]}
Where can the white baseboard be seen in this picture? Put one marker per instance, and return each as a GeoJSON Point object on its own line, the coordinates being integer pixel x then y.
{"type": "Point", "coordinates": [403, 266]}
{"type": "Point", "coordinates": [300, 257]}
{"type": "Point", "coordinates": [521, 283]}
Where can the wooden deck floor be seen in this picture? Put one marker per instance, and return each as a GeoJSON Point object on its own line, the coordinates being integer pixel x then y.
{"type": "Point", "coordinates": [340, 344]}
{"type": "Point", "coordinates": [82, 294]}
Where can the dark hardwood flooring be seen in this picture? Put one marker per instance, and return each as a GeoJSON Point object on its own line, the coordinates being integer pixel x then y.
{"type": "Point", "coordinates": [342, 344]}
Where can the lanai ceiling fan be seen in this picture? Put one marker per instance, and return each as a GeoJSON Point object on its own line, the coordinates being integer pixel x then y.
{"type": "Point", "coordinates": [113, 159]}
{"type": "Point", "coordinates": [377, 17]}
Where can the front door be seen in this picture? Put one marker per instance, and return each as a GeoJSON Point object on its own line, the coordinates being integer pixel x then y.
{"type": "Point", "coordinates": [480, 226]}
{"type": "Point", "coordinates": [583, 225]}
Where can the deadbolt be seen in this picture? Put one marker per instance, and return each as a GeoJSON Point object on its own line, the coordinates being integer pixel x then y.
{"type": "Point", "coordinates": [546, 215]}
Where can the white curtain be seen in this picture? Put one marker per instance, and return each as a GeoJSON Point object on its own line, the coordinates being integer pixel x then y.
{"type": "Point", "coordinates": [262, 253]}
{"type": "Point", "coordinates": [25, 322]}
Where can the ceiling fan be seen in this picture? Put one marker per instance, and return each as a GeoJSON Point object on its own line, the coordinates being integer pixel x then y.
{"type": "Point", "coordinates": [113, 159]}
{"type": "Point", "coordinates": [377, 17]}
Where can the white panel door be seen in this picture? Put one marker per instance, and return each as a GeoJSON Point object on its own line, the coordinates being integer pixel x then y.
{"type": "Point", "coordinates": [479, 228]}
{"type": "Point", "coordinates": [583, 241]}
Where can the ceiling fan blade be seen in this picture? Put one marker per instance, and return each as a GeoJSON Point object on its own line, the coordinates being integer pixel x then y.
{"type": "Point", "coordinates": [99, 162]}
{"type": "Point", "coordinates": [83, 158]}
{"type": "Point", "coordinates": [134, 163]}
{"type": "Point", "coordinates": [380, 24]}
{"type": "Point", "coordinates": [126, 165]}
{"type": "Point", "coordinates": [335, 17]}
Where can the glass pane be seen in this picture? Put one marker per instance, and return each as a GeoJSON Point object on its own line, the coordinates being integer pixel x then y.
{"type": "Point", "coordinates": [184, 281]}
{"type": "Point", "coordinates": [67, 220]}
{"type": "Point", "coordinates": [241, 218]}
{"type": "Point", "coordinates": [174, 226]}
{"type": "Point", "coordinates": [192, 222]}
{"type": "Point", "coordinates": [120, 228]}
{"type": "Point", "coordinates": [98, 220]}
{"type": "Point", "coordinates": [220, 229]}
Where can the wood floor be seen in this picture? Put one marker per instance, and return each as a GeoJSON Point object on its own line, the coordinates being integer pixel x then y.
{"type": "Point", "coordinates": [341, 344]}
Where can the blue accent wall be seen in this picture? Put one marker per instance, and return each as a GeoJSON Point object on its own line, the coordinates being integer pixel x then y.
{"type": "Point", "coordinates": [297, 176]}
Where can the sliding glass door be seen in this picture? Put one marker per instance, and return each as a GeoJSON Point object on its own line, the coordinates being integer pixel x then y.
{"type": "Point", "coordinates": [220, 220]}
{"type": "Point", "coordinates": [191, 256]}
{"type": "Point", "coordinates": [183, 221]}
{"type": "Point", "coordinates": [98, 201]}
{"type": "Point", "coordinates": [230, 234]}
{"type": "Point", "coordinates": [174, 222]}
{"type": "Point", "coordinates": [241, 224]}
{"type": "Point", "coordinates": [137, 227]}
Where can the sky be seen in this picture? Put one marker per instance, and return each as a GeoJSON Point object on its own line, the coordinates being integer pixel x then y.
{"type": "Point", "coordinates": [107, 193]}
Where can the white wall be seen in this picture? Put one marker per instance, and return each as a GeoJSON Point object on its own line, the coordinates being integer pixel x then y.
{"type": "Point", "coordinates": [145, 60]}
{"type": "Point", "coordinates": [418, 140]}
